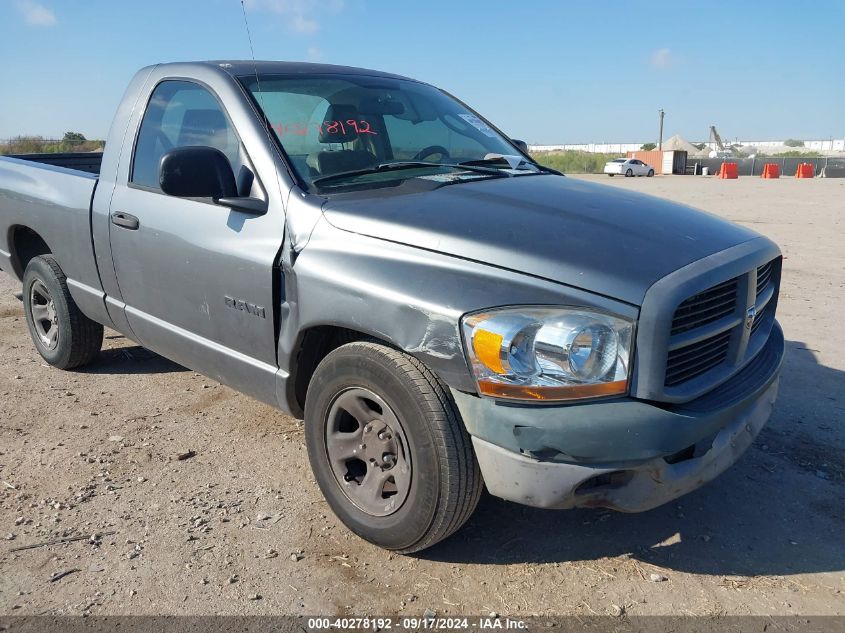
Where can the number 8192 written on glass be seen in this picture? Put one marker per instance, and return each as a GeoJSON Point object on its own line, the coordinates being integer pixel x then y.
{"type": "Point", "coordinates": [335, 128]}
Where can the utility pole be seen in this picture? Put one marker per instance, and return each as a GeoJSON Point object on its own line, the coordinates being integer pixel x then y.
{"type": "Point", "coordinates": [660, 136]}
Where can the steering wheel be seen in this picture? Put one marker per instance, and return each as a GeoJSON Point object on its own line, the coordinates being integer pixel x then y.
{"type": "Point", "coordinates": [432, 149]}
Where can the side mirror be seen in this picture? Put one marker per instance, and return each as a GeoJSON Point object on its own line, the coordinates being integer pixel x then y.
{"type": "Point", "coordinates": [197, 172]}
{"type": "Point", "coordinates": [522, 145]}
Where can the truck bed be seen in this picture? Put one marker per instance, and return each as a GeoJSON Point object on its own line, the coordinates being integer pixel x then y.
{"type": "Point", "coordinates": [45, 199]}
{"type": "Point", "coordinates": [81, 161]}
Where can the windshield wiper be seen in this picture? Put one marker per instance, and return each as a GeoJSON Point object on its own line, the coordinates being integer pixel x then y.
{"type": "Point", "coordinates": [501, 160]}
{"type": "Point", "coordinates": [397, 165]}
{"type": "Point", "coordinates": [408, 164]}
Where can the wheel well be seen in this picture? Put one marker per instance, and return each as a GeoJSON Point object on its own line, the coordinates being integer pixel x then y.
{"type": "Point", "coordinates": [25, 245]}
{"type": "Point", "coordinates": [314, 345]}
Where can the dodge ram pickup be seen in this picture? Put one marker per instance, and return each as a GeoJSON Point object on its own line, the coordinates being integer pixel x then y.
{"type": "Point", "coordinates": [365, 252]}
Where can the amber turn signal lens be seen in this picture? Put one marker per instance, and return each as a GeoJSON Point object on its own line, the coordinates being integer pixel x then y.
{"type": "Point", "coordinates": [488, 347]}
{"type": "Point", "coordinates": [568, 392]}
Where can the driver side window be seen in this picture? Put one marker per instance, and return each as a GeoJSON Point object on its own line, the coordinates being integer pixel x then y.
{"type": "Point", "coordinates": [181, 114]}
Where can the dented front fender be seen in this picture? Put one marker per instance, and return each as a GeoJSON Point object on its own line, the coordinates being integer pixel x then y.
{"type": "Point", "coordinates": [408, 297]}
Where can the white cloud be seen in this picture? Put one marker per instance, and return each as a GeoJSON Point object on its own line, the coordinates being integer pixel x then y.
{"type": "Point", "coordinates": [662, 59]}
{"type": "Point", "coordinates": [305, 25]}
{"type": "Point", "coordinates": [36, 14]}
{"type": "Point", "coordinates": [302, 16]}
{"type": "Point", "coordinates": [314, 54]}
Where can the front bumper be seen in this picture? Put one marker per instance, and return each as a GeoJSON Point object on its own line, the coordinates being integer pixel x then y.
{"type": "Point", "coordinates": [624, 454]}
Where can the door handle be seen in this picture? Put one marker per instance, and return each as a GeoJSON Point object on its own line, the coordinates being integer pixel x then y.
{"type": "Point", "coordinates": [126, 220]}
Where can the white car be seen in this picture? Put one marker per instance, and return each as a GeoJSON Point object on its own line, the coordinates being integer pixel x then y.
{"type": "Point", "coordinates": [628, 167]}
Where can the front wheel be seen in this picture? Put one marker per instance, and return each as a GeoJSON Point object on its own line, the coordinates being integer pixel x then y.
{"type": "Point", "coordinates": [650, 173]}
{"type": "Point", "coordinates": [63, 336]}
{"type": "Point", "coordinates": [611, 175]}
{"type": "Point", "coordinates": [388, 448]}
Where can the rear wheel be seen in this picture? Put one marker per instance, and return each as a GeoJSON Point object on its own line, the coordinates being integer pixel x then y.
{"type": "Point", "coordinates": [63, 336]}
{"type": "Point", "coordinates": [611, 175]}
{"type": "Point", "coordinates": [629, 173]}
{"type": "Point", "coordinates": [388, 448]}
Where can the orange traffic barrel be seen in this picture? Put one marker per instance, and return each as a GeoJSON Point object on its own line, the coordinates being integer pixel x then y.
{"type": "Point", "coordinates": [771, 170]}
{"type": "Point", "coordinates": [729, 170]}
{"type": "Point", "coordinates": [805, 170]}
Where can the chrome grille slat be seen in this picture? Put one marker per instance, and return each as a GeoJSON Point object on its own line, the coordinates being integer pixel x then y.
{"type": "Point", "coordinates": [679, 356]}
{"type": "Point", "coordinates": [764, 276]}
{"type": "Point", "coordinates": [705, 307]}
{"type": "Point", "coordinates": [673, 380]}
{"type": "Point", "coordinates": [710, 301]}
{"type": "Point", "coordinates": [682, 377]}
{"type": "Point", "coordinates": [698, 365]}
{"type": "Point", "coordinates": [704, 316]}
{"type": "Point", "coordinates": [697, 359]}
{"type": "Point", "coordinates": [760, 318]}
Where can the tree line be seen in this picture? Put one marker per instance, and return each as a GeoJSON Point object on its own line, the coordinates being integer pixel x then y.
{"type": "Point", "coordinates": [70, 142]}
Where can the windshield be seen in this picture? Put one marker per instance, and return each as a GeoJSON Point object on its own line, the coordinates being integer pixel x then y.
{"type": "Point", "coordinates": [331, 125]}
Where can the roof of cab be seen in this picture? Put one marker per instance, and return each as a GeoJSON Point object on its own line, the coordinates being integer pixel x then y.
{"type": "Point", "coordinates": [240, 68]}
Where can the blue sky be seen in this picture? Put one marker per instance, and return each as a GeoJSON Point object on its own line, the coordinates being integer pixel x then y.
{"type": "Point", "coordinates": [546, 71]}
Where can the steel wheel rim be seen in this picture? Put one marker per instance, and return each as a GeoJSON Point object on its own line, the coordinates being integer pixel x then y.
{"type": "Point", "coordinates": [45, 319]}
{"type": "Point", "coordinates": [368, 452]}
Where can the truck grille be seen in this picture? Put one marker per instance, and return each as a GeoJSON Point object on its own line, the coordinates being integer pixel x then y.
{"type": "Point", "coordinates": [689, 362]}
{"type": "Point", "coordinates": [762, 317]}
{"type": "Point", "coordinates": [764, 277]}
{"type": "Point", "coordinates": [705, 307]}
{"type": "Point", "coordinates": [714, 344]}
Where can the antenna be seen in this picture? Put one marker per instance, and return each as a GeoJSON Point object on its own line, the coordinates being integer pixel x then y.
{"type": "Point", "coordinates": [252, 52]}
{"type": "Point", "coordinates": [267, 127]}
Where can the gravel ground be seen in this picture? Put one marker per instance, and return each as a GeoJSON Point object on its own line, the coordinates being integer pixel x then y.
{"type": "Point", "coordinates": [240, 527]}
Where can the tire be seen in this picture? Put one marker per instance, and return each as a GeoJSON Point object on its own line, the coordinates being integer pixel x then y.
{"type": "Point", "coordinates": [63, 336]}
{"type": "Point", "coordinates": [629, 173]}
{"type": "Point", "coordinates": [430, 487]}
{"type": "Point", "coordinates": [650, 173]}
{"type": "Point", "coordinates": [611, 175]}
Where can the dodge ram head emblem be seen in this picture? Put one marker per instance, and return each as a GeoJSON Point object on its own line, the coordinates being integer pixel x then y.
{"type": "Point", "coordinates": [750, 315]}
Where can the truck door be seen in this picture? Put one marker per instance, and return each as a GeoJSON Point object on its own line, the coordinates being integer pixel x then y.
{"type": "Point", "coordinates": [198, 280]}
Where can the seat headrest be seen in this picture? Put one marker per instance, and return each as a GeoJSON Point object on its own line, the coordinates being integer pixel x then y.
{"type": "Point", "coordinates": [203, 127]}
{"type": "Point", "coordinates": [335, 128]}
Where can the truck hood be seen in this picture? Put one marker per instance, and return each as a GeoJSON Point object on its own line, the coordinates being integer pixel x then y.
{"type": "Point", "coordinates": [601, 239]}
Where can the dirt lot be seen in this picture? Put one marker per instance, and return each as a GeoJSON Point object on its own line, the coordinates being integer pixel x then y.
{"type": "Point", "coordinates": [241, 527]}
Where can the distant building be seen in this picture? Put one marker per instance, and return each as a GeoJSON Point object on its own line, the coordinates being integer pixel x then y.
{"type": "Point", "coordinates": [825, 145]}
{"type": "Point", "coordinates": [598, 148]}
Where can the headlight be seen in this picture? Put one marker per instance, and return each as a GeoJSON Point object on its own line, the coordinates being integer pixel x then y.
{"type": "Point", "coordinates": [548, 354]}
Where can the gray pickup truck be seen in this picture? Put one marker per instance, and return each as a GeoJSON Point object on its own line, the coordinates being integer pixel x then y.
{"type": "Point", "coordinates": [365, 252]}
